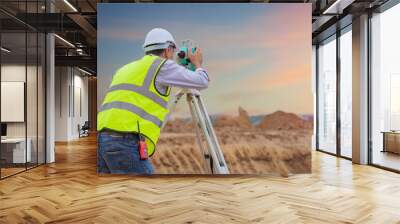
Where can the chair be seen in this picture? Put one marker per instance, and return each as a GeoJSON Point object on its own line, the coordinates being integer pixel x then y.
{"type": "Point", "coordinates": [84, 130]}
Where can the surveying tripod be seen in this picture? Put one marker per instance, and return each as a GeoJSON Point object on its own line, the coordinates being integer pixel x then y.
{"type": "Point", "coordinates": [213, 156]}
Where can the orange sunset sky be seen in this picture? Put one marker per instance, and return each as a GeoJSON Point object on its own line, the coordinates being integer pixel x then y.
{"type": "Point", "coordinates": [258, 56]}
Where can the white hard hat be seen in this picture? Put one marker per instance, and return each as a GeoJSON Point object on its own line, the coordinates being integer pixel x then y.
{"type": "Point", "coordinates": [158, 38]}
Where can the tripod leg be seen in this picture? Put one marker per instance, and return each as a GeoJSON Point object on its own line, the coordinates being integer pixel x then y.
{"type": "Point", "coordinates": [219, 153]}
{"type": "Point", "coordinates": [172, 107]}
{"type": "Point", "coordinates": [219, 165]}
{"type": "Point", "coordinates": [207, 158]}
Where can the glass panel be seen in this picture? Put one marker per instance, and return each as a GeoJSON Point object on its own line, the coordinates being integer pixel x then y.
{"type": "Point", "coordinates": [32, 88]}
{"type": "Point", "coordinates": [386, 89]}
{"type": "Point", "coordinates": [327, 96]}
{"type": "Point", "coordinates": [31, 98]}
{"type": "Point", "coordinates": [346, 94]}
{"type": "Point", "coordinates": [23, 89]}
{"type": "Point", "coordinates": [41, 98]}
{"type": "Point", "coordinates": [13, 87]}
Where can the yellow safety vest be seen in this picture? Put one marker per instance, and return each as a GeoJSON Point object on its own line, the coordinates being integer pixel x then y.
{"type": "Point", "coordinates": [132, 98]}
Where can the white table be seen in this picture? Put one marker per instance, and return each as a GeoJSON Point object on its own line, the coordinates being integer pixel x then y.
{"type": "Point", "coordinates": [19, 155]}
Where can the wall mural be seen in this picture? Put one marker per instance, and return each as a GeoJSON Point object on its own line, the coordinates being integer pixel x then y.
{"type": "Point", "coordinates": [259, 97]}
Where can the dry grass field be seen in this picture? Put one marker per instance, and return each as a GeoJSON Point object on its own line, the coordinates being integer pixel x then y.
{"type": "Point", "coordinates": [248, 150]}
{"type": "Point", "coordinates": [254, 152]}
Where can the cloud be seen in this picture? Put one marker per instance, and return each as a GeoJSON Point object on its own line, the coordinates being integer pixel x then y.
{"type": "Point", "coordinates": [250, 58]}
{"type": "Point", "coordinates": [226, 66]}
{"type": "Point", "coordinates": [280, 78]}
{"type": "Point", "coordinates": [255, 31]}
{"type": "Point", "coordinates": [261, 31]}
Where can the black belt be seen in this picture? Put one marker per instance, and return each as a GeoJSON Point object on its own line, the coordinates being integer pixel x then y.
{"type": "Point", "coordinates": [112, 132]}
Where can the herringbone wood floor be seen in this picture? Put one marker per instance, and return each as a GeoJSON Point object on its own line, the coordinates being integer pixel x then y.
{"type": "Point", "coordinates": [70, 191]}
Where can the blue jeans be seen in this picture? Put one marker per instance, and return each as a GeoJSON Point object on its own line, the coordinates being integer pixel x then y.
{"type": "Point", "coordinates": [119, 154]}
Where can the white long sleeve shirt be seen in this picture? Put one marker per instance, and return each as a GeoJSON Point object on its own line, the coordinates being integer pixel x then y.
{"type": "Point", "coordinates": [172, 74]}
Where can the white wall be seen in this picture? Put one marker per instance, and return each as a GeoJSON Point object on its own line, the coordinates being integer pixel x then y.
{"type": "Point", "coordinates": [79, 117]}
{"type": "Point", "coordinates": [70, 83]}
{"type": "Point", "coordinates": [62, 81]}
{"type": "Point", "coordinates": [12, 73]}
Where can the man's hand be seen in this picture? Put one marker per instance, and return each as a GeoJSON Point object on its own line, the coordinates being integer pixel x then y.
{"type": "Point", "coordinates": [196, 58]}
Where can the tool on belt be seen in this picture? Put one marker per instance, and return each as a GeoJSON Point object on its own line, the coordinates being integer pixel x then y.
{"type": "Point", "coordinates": [142, 145]}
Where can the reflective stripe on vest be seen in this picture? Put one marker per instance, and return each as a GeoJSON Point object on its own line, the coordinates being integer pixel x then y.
{"type": "Point", "coordinates": [134, 109]}
{"type": "Point", "coordinates": [141, 90]}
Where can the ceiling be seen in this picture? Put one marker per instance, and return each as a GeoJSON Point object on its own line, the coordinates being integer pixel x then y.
{"type": "Point", "coordinates": [76, 22]}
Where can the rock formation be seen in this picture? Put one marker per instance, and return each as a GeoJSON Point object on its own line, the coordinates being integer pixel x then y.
{"type": "Point", "coordinates": [242, 121]}
{"type": "Point", "coordinates": [281, 120]}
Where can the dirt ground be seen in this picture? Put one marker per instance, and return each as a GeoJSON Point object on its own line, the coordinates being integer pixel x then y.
{"type": "Point", "coordinates": [253, 151]}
